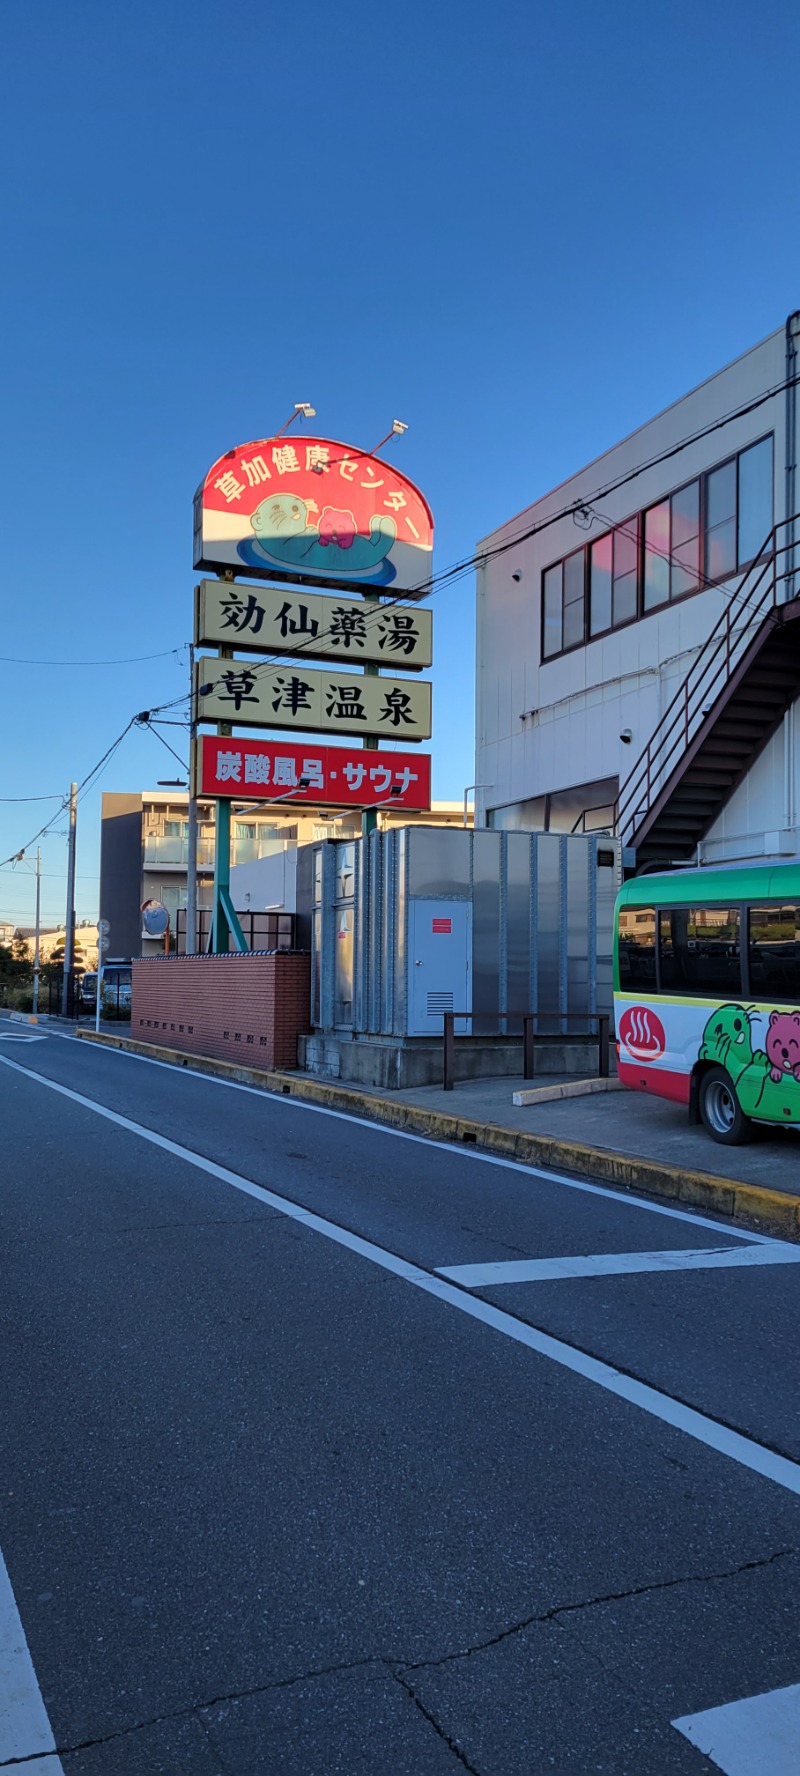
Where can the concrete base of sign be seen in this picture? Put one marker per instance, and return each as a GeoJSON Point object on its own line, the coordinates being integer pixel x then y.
{"type": "Point", "coordinates": [396, 1063]}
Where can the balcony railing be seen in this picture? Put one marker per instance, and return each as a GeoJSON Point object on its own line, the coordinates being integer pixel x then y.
{"type": "Point", "coordinates": [162, 852]}
{"type": "Point", "coordinates": [167, 852]}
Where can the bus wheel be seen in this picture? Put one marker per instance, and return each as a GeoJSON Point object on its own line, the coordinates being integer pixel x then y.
{"type": "Point", "coordinates": [721, 1112]}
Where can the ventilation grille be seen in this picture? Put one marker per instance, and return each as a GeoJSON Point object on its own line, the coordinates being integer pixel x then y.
{"type": "Point", "coordinates": [438, 1003]}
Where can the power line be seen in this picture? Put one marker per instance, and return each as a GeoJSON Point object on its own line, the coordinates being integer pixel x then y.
{"type": "Point", "coordinates": [50, 798]}
{"type": "Point", "coordinates": [130, 660]}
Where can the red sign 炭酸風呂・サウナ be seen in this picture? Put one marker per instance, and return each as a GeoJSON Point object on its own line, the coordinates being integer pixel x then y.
{"type": "Point", "coordinates": [338, 776]}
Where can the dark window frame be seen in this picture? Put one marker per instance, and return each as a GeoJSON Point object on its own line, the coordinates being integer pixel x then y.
{"type": "Point", "coordinates": [754, 906]}
{"type": "Point", "coordinates": [638, 517]}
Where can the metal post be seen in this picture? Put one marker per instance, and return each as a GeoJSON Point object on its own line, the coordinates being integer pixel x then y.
{"type": "Point", "coordinates": [190, 944]}
{"type": "Point", "coordinates": [69, 936]}
{"type": "Point", "coordinates": [527, 1046]}
{"type": "Point", "coordinates": [36, 933]}
{"type": "Point", "coordinates": [224, 923]}
{"type": "Point", "coordinates": [602, 1044]}
{"type": "Point", "coordinates": [449, 1050]}
{"type": "Point", "coordinates": [369, 817]}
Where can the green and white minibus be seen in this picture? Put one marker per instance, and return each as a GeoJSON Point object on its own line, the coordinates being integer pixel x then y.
{"type": "Point", "coordinates": [707, 993]}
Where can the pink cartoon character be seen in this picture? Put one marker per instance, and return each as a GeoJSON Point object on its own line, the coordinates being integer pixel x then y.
{"type": "Point", "coordinates": [337, 527]}
{"type": "Point", "coordinates": [783, 1045]}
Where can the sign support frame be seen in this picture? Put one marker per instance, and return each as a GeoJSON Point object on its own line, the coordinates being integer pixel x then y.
{"type": "Point", "coordinates": [224, 923]}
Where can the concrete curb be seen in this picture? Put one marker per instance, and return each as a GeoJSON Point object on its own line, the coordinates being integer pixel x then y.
{"type": "Point", "coordinates": [768, 1211]}
{"type": "Point", "coordinates": [552, 1094]}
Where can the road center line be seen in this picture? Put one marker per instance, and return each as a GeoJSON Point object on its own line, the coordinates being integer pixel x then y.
{"type": "Point", "coordinates": [549, 1270]}
{"type": "Point", "coordinates": [25, 1731]}
{"type": "Point", "coordinates": [738, 1448]}
{"type": "Point", "coordinates": [621, 1198]}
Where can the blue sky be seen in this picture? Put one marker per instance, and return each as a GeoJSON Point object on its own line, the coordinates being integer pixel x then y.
{"type": "Point", "coordinates": [521, 229]}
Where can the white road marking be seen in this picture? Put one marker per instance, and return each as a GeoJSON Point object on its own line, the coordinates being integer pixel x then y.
{"type": "Point", "coordinates": [20, 1036]}
{"type": "Point", "coordinates": [732, 1444]}
{"type": "Point", "coordinates": [25, 1731]}
{"type": "Point", "coordinates": [759, 1736]}
{"type": "Point", "coordinates": [467, 1152]}
{"type": "Point", "coordinates": [549, 1270]}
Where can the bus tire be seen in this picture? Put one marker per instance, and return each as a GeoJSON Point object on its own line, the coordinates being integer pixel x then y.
{"type": "Point", "coordinates": [720, 1111]}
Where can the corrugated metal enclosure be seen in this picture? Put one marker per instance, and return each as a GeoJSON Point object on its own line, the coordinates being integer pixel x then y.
{"type": "Point", "coordinates": [407, 924]}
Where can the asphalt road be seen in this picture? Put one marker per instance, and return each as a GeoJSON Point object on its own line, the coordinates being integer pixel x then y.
{"type": "Point", "coordinates": [279, 1499]}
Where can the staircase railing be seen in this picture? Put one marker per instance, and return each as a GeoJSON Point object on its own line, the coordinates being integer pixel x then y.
{"type": "Point", "coordinates": [760, 592]}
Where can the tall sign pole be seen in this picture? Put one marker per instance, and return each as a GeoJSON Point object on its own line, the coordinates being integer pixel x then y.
{"type": "Point", "coordinates": [69, 935]}
{"type": "Point", "coordinates": [369, 818]}
{"type": "Point", "coordinates": [224, 923]}
{"type": "Point", "coordinates": [191, 858]}
{"type": "Point", "coordinates": [37, 931]}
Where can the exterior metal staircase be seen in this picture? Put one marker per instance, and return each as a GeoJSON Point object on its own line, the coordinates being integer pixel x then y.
{"type": "Point", "coordinates": [731, 702]}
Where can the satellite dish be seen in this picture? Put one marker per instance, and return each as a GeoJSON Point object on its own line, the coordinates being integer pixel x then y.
{"type": "Point", "coordinates": [155, 918]}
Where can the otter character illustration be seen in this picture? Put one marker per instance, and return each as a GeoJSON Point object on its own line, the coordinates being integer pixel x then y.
{"type": "Point", "coordinates": [767, 1084]}
{"type": "Point", "coordinates": [727, 1039]}
{"type": "Point", "coordinates": [783, 1044]}
{"type": "Point", "coordinates": [284, 537]}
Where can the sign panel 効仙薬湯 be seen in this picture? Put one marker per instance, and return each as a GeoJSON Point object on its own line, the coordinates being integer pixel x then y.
{"type": "Point", "coordinates": [288, 620]}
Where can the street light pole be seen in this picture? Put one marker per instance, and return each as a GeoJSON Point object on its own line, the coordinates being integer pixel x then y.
{"type": "Point", "coordinates": [69, 936]}
{"type": "Point", "coordinates": [36, 933]}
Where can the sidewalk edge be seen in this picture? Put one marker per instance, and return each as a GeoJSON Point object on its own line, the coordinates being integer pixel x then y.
{"type": "Point", "coordinates": [767, 1210]}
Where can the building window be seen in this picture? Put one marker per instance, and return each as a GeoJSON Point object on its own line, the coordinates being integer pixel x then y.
{"type": "Point", "coordinates": [755, 499]}
{"type": "Point", "coordinates": [553, 625]}
{"type": "Point", "coordinates": [711, 528]}
{"type": "Point", "coordinates": [672, 547]}
{"type": "Point", "coordinates": [721, 521]}
{"type": "Point", "coordinates": [614, 578]}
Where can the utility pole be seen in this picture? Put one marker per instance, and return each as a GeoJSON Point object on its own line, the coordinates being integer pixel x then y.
{"type": "Point", "coordinates": [36, 933]}
{"type": "Point", "coordinates": [69, 935]}
{"type": "Point", "coordinates": [191, 857]}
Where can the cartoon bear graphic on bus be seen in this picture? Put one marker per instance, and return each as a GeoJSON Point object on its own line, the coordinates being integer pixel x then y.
{"type": "Point", "coordinates": [766, 1080]}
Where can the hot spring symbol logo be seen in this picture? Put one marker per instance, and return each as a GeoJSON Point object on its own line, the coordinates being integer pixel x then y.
{"type": "Point", "coordinates": [642, 1033]}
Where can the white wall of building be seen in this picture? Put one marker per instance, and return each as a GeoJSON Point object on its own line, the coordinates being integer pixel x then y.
{"type": "Point", "coordinates": [546, 725]}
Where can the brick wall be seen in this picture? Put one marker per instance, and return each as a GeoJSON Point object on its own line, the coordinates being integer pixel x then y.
{"type": "Point", "coordinates": [249, 1008]}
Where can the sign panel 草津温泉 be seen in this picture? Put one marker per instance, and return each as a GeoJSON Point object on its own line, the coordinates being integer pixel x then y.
{"type": "Point", "coordinates": [313, 509]}
{"type": "Point", "coordinates": [334, 776]}
{"type": "Point", "coordinates": [295, 696]}
{"type": "Point", "coordinates": [285, 620]}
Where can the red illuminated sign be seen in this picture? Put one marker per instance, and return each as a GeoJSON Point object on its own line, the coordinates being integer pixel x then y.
{"type": "Point", "coordinates": [442, 927]}
{"type": "Point", "coordinates": [334, 776]}
{"type": "Point", "coordinates": [313, 509]}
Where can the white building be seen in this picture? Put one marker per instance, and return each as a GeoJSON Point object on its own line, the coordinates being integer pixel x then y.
{"type": "Point", "coordinates": [638, 650]}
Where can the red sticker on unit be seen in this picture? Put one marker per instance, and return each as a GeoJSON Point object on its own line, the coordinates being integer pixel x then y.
{"type": "Point", "coordinates": [642, 1033]}
{"type": "Point", "coordinates": [442, 927]}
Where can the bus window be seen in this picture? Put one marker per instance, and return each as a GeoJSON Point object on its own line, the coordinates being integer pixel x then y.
{"type": "Point", "coordinates": [775, 952]}
{"type": "Point", "coordinates": [699, 952]}
{"type": "Point", "coordinates": [637, 950]}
